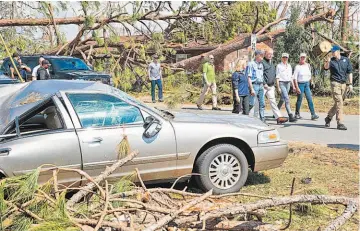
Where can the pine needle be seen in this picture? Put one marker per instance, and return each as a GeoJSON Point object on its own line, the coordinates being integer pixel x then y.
{"type": "Point", "coordinates": [123, 148]}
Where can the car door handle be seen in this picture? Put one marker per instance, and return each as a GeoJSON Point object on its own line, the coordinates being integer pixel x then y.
{"type": "Point", "coordinates": [93, 140]}
{"type": "Point", "coordinates": [4, 151]}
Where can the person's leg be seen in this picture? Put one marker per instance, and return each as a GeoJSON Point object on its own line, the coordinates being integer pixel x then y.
{"type": "Point", "coordinates": [153, 83]}
{"type": "Point", "coordinates": [245, 104]}
{"type": "Point", "coordinates": [160, 89]}
{"type": "Point", "coordinates": [214, 96]}
{"type": "Point", "coordinates": [236, 105]}
{"type": "Point", "coordinates": [270, 95]}
{"type": "Point", "coordinates": [308, 96]}
{"type": "Point", "coordinates": [254, 101]}
{"type": "Point", "coordinates": [299, 99]}
{"type": "Point", "coordinates": [261, 97]}
{"type": "Point", "coordinates": [202, 95]}
{"type": "Point", "coordinates": [340, 111]}
{"type": "Point", "coordinates": [285, 96]}
{"type": "Point", "coordinates": [281, 102]}
{"type": "Point", "coordinates": [336, 93]}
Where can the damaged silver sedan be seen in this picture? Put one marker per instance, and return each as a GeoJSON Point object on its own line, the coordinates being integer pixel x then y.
{"type": "Point", "coordinates": [78, 124]}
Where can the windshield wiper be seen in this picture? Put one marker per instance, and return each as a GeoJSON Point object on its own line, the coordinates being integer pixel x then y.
{"type": "Point", "coordinates": [166, 112]}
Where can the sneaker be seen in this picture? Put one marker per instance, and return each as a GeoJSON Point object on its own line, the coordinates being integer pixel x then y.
{"type": "Point", "coordinates": [154, 101]}
{"type": "Point", "coordinates": [216, 109]}
{"type": "Point", "coordinates": [292, 118]}
{"type": "Point", "coordinates": [327, 122]}
{"type": "Point", "coordinates": [282, 120]}
{"type": "Point", "coordinates": [297, 116]}
{"type": "Point", "coordinates": [314, 117]}
{"type": "Point", "coordinates": [341, 127]}
{"type": "Point", "coordinates": [161, 100]}
{"type": "Point", "coordinates": [199, 107]}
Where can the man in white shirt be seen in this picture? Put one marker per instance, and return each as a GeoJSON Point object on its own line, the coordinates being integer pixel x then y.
{"type": "Point", "coordinates": [302, 82]}
{"type": "Point", "coordinates": [283, 82]}
{"type": "Point", "coordinates": [34, 72]}
{"type": "Point", "coordinates": [155, 76]}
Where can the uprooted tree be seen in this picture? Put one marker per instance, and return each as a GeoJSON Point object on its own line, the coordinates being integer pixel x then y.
{"type": "Point", "coordinates": [121, 37]}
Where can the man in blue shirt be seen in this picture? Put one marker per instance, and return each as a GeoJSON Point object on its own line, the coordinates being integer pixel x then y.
{"type": "Point", "coordinates": [340, 74]}
{"type": "Point", "coordinates": [255, 72]}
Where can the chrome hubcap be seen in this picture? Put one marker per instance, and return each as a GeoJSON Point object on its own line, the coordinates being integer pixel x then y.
{"type": "Point", "coordinates": [224, 171]}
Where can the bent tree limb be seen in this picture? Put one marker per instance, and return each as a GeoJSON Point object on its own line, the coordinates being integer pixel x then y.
{"type": "Point", "coordinates": [90, 186]}
{"type": "Point", "coordinates": [224, 49]}
{"type": "Point", "coordinates": [172, 216]}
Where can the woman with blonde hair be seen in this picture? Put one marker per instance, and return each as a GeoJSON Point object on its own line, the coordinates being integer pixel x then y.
{"type": "Point", "coordinates": [240, 86]}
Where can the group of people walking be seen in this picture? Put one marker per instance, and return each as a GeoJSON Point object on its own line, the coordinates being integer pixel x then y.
{"type": "Point", "coordinates": [256, 80]}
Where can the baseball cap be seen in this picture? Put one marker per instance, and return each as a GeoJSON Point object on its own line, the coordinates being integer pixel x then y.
{"type": "Point", "coordinates": [155, 56]}
{"type": "Point", "coordinates": [45, 62]}
{"type": "Point", "coordinates": [285, 55]}
{"type": "Point", "coordinates": [335, 48]}
{"type": "Point", "coordinates": [259, 52]}
{"type": "Point", "coordinates": [303, 55]}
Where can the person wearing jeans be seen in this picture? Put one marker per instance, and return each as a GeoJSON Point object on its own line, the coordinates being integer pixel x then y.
{"type": "Point", "coordinates": [283, 81]}
{"type": "Point", "coordinates": [302, 83]}
{"type": "Point", "coordinates": [255, 72]}
{"type": "Point", "coordinates": [155, 76]}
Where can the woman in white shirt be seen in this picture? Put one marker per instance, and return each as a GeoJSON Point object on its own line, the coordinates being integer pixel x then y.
{"type": "Point", "coordinates": [283, 82]}
{"type": "Point", "coordinates": [302, 81]}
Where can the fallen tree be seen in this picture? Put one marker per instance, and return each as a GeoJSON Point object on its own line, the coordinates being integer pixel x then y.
{"type": "Point", "coordinates": [244, 41]}
{"type": "Point", "coordinates": [25, 205]}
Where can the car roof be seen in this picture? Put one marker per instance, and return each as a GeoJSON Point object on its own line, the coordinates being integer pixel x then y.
{"type": "Point", "coordinates": [14, 96]}
{"type": "Point", "coordinates": [46, 57]}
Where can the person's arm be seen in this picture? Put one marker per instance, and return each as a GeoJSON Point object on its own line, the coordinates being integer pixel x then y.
{"type": "Point", "coordinates": [252, 91]}
{"type": "Point", "coordinates": [349, 71]}
{"type": "Point", "coordinates": [27, 69]}
{"type": "Point", "coordinates": [12, 71]}
{"type": "Point", "coordinates": [204, 73]}
{"type": "Point", "coordinates": [327, 64]}
{"type": "Point", "coordinates": [295, 77]}
{"type": "Point", "coordinates": [277, 79]}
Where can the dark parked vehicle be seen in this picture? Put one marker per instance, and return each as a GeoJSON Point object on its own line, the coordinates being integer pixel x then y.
{"type": "Point", "coordinates": [62, 67]}
{"type": "Point", "coordinates": [6, 80]}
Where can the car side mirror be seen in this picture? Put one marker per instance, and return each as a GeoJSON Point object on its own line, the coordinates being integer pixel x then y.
{"type": "Point", "coordinates": [153, 129]}
{"type": "Point", "coordinates": [148, 121]}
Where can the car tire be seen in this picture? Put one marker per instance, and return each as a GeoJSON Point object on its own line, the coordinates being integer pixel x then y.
{"type": "Point", "coordinates": [223, 168]}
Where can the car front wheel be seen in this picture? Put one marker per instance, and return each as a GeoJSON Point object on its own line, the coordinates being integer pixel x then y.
{"type": "Point", "coordinates": [223, 168]}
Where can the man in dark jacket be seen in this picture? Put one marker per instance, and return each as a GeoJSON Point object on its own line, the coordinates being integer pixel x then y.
{"type": "Point", "coordinates": [269, 85]}
{"type": "Point", "coordinates": [43, 71]}
{"type": "Point", "coordinates": [340, 75]}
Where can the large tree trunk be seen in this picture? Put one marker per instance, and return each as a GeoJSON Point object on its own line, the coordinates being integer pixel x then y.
{"type": "Point", "coordinates": [243, 42]}
{"type": "Point", "coordinates": [45, 21]}
{"type": "Point", "coordinates": [345, 17]}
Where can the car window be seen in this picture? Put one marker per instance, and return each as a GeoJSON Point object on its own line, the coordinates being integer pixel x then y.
{"type": "Point", "coordinates": [100, 110]}
{"type": "Point", "coordinates": [31, 61]}
{"type": "Point", "coordinates": [63, 64]}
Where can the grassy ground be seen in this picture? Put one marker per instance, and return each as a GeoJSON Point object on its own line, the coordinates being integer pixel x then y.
{"type": "Point", "coordinates": [332, 172]}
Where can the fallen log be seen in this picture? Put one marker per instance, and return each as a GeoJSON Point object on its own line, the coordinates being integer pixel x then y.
{"type": "Point", "coordinates": [244, 42]}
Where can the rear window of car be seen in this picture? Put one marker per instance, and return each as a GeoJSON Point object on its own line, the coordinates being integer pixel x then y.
{"type": "Point", "coordinates": [64, 64]}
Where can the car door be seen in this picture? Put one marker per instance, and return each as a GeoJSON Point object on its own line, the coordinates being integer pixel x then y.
{"type": "Point", "coordinates": [102, 120]}
{"type": "Point", "coordinates": [55, 145]}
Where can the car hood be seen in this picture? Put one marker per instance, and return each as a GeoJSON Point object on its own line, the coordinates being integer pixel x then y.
{"type": "Point", "coordinates": [83, 73]}
{"type": "Point", "coordinates": [242, 121]}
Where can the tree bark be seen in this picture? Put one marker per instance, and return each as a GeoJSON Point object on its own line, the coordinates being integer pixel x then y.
{"type": "Point", "coordinates": [231, 46]}
{"type": "Point", "coordinates": [345, 17]}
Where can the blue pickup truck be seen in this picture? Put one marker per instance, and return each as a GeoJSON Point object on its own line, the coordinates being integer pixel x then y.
{"type": "Point", "coordinates": [62, 67]}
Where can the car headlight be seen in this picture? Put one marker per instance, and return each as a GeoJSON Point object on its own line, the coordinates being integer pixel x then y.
{"type": "Point", "coordinates": [268, 137]}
